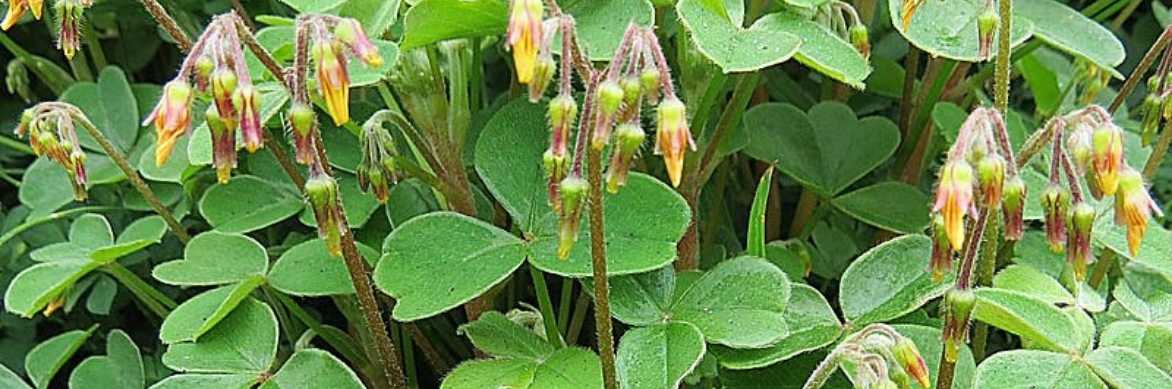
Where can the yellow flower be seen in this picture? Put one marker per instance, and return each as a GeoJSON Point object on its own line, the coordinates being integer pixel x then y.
{"type": "Point", "coordinates": [171, 117]}
{"type": "Point", "coordinates": [954, 195]}
{"type": "Point", "coordinates": [1134, 207]}
{"type": "Point", "coordinates": [672, 137]}
{"type": "Point", "coordinates": [333, 81]}
{"type": "Point", "coordinates": [525, 35]}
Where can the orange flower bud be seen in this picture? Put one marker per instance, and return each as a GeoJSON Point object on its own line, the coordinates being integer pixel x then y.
{"type": "Point", "coordinates": [672, 137]}
{"type": "Point", "coordinates": [991, 177]}
{"type": "Point", "coordinates": [223, 144]}
{"type": "Point", "coordinates": [941, 250]}
{"type": "Point", "coordinates": [350, 32]}
{"type": "Point", "coordinates": [525, 36]}
{"type": "Point", "coordinates": [333, 81]}
{"type": "Point", "coordinates": [1106, 158]}
{"type": "Point", "coordinates": [172, 117]}
{"type": "Point", "coordinates": [954, 195]}
{"type": "Point", "coordinates": [908, 357]}
{"type": "Point", "coordinates": [629, 138]}
{"type": "Point", "coordinates": [1134, 207]}
{"type": "Point", "coordinates": [322, 192]}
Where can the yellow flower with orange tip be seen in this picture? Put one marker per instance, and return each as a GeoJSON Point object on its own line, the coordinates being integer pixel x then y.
{"type": "Point", "coordinates": [172, 117]}
{"type": "Point", "coordinates": [333, 81]}
{"type": "Point", "coordinates": [672, 137]}
{"type": "Point", "coordinates": [16, 9]}
{"type": "Point", "coordinates": [1134, 207]}
{"type": "Point", "coordinates": [1106, 158]}
{"type": "Point", "coordinates": [525, 35]}
{"type": "Point", "coordinates": [954, 195]}
{"type": "Point", "coordinates": [350, 32]}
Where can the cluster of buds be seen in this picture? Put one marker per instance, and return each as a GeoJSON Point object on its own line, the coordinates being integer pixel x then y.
{"type": "Point", "coordinates": [69, 19]}
{"type": "Point", "coordinates": [217, 67]}
{"type": "Point", "coordinates": [842, 18]}
{"type": "Point", "coordinates": [1157, 107]}
{"type": "Point", "coordinates": [881, 357]}
{"type": "Point", "coordinates": [983, 141]}
{"type": "Point", "coordinates": [377, 170]}
{"type": "Point", "coordinates": [51, 129]}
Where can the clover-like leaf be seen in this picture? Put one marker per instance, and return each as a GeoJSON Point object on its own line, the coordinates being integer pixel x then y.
{"type": "Point", "coordinates": [891, 205]}
{"type": "Point", "coordinates": [1028, 317]}
{"type": "Point", "coordinates": [1034, 368]}
{"type": "Point", "coordinates": [1069, 30]}
{"type": "Point", "coordinates": [600, 24]}
{"type": "Point", "coordinates": [822, 49]}
{"type": "Point", "coordinates": [121, 367]}
{"type": "Point", "coordinates": [641, 299]}
{"type": "Point", "coordinates": [313, 368]}
{"type": "Point", "coordinates": [739, 303]}
{"type": "Point", "coordinates": [431, 21]}
{"type": "Point", "coordinates": [1149, 339]}
{"type": "Point", "coordinates": [889, 281]}
{"type": "Point", "coordinates": [810, 321]}
{"type": "Point", "coordinates": [215, 258]}
{"type": "Point", "coordinates": [201, 313]}
{"type": "Point", "coordinates": [948, 28]}
{"type": "Point", "coordinates": [40, 284]}
{"type": "Point", "coordinates": [43, 361]}
{"type": "Point", "coordinates": [244, 342]}
{"type": "Point", "coordinates": [248, 203]}
{"type": "Point", "coordinates": [733, 48]}
{"type": "Point", "coordinates": [567, 368]}
{"type": "Point", "coordinates": [1127, 369]}
{"type": "Point", "coordinates": [308, 269]}
{"type": "Point", "coordinates": [659, 355]}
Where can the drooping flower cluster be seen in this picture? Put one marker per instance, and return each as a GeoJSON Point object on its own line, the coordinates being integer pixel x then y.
{"type": "Point", "coordinates": [377, 170]}
{"type": "Point", "coordinates": [611, 114]}
{"type": "Point", "coordinates": [69, 19]}
{"type": "Point", "coordinates": [881, 357]}
{"type": "Point", "coordinates": [841, 18]}
{"type": "Point", "coordinates": [961, 190]}
{"type": "Point", "coordinates": [51, 129]}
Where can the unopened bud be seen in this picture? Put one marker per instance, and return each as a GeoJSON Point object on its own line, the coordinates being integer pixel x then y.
{"type": "Point", "coordinates": [203, 71]}
{"type": "Point", "coordinates": [650, 82]}
{"type": "Point", "coordinates": [223, 87]}
{"type": "Point", "coordinates": [1153, 109]}
{"type": "Point", "coordinates": [322, 191]}
{"type": "Point", "coordinates": [861, 40]}
{"type": "Point", "coordinates": [573, 194]}
{"type": "Point", "coordinates": [302, 123]}
{"type": "Point", "coordinates": [629, 137]}
{"type": "Point", "coordinates": [610, 99]}
{"type": "Point", "coordinates": [986, 28]}
{"type": "Point", "coordinates": [673, 137]}
{"type": "Point", "coordinates": [1055, 206]}
{"type": "Point", "coordinates": [907, 355]}
{"type": "Point", "coordinates": [557, 165]}
{"type": "Point", "coordinates": [1013, 207]}
{"type": "Point", "coordinates": [941, 250]}
{"type": "Point", "coordinates": [958, 306]}
{"type": "Point", "coordinates": [223, 144]}
{"type": "Point", "coordinates": [1106, 158]}
{"type": "Point", "coordinates": [246, 100]}
{"type": "Point", "coordinates": [543, 72]}
{"type": "Point", "coordinates": [991, 177]}
{"type": "Point", "coordinates": [1082, 221]}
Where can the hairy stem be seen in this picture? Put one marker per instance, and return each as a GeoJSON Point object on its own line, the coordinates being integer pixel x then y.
{"type": "Point", "coordinates": [1004, 55]}
{"type": "Point", "coordinates": [168, 23]}
{"type": "Point", "coordinates": [1142, 68]}
{"type": "Point", "coordinates": [601, 284]}
{"type": "Point", "coordinates": [1159, 150]}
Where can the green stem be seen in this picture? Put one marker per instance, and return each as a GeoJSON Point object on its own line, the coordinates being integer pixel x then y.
{"type": "Point", "coordinates": [9, 179]}
{"type": "Point", "coordinates": [1106, 261]}
{"type": "Point", "coordinates": [985, 268]}
{"type": "Point", "coordinates": [803, 212]}
{"type": "Point", "coordinates": [15, 145]}
{"type": "Point", "coordinates": [95, 47]}
{"type": "Point", "coordinates": [578, 318]}
{"type": "Point", "coordinates": [408, 354]}
{"type": "Point", "coordinates": [602, 320]}
{"type": "Point", "coordinates": [1141, 69]}
{"type": "Point", "coordinates": [136, 180]}
{"type": "Point", "coordinates": [348, 349]}
{"type": "Point", "coordinates": [1004, 55]}
{"type": "Point", "coordinates": [48, 218]}
{"type": "Point", "coordinates": [145, 293]}
{"type": "Point", "coordinates": [1159, 150]}
{"type": "Point", "coordinates": [564, 305]}
{"type": "Point", "coordinates": [552, 334]}
{"type": "Point", "coordinates": [168, 23]}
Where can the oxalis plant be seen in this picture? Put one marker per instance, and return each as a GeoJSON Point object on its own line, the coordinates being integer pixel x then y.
{"type": "Point", "coordinates": [443, 193]}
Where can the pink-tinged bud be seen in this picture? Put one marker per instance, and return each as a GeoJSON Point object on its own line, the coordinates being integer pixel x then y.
{"type": "Point", "coordinates": [172, 117]}
{"type": "Point", "coordinates": [322, 192]}
{"type": "Point", "coordinates": [1055, 206]}
{"type": "Point", "coordinates": [350, 32]}
{"type": "Point", "coordinates": [1079, 145]}
{"type": "Point", "coordinates": [203, 72]}
{"type": "Point", "coordinates": [991, 180]}
{"type": "Point", "coordinates": [908, 357]}
{"type": "Point", "coordinates": [672, 137]}
{"type": "Point", "coordinates": [1134, 207]}
{"type": "Point", "coordinates": [525, 36]}
{"type": "Point", "coordinates": [224, 83]}
{"type": "Point", "coordinates": [958, 309]}
{"type": "Point", "coordinates": [632, 92]}
{"type": "Point", "coordinates": [1107, 158]}
{"type": "Point", "coordinates": [223, 144]}
{"type": "Point", "coordinates": [629, 138]}
{"type": "Point", "coordinates": [573, 195]}
{"type": "Point", "coordinates": [69, 14]}
{"type": "Point", "coordinates": [333, 81]}
{"type": "Point", "coordinates": [1082, 221]}
{"type": "Point", "coordinates": [543, 72]}
{"type": "Point", "coordinates": [247, 103]}
{"type": "Point", "coordinates": [16, 10]}
{"type": "Point", "coordinates": [954, 196]}
{"type": "Point", "coordinates": [942, 250]}
{"type": "Point", "coordinates": [562, 112]}
{"type": "Point", "coordinates": [986, 30]}
{"type": "Point", "coordinates": [77, 174]}
{"type": "Point", "coordinates": [610, 100]}
{"type": "Point", "coordinates": [649, 79]}
{"type": "Point", "coordinates": [557, 165]}
{"type": "Point", "coordinates": [1013, 207]}
{"type": "Point", "coordinates": [861, 40]}
{"type": "Point", "coordinates": [302, 123]}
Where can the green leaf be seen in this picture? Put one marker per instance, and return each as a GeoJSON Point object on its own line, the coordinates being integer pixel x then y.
{"type": "Point", "coordinates": [248, 203]}
{"type": "Point", "coordinates": [1028, 317]}
{"type": "Point", "coordinates": [215, 258]}
{"type": "Point", "coordinates": [431, 21]}
{"type": "Point", "coordinates": [149, 228]}
{"type": "Point", "coordinates": [1149, 339]}
{"type": "Point", "coordinates": [600, 24]}
{"type": "Point", "coordinates": [376, 16]}
{"type": "Point", "coordinates": [1025, 279]}
{"type": "Point", "coordinates": [173, 169]}
{"type": "Point", "coordinates": [194, 381]}
{"type": "Point", "coordinates": [110, 105]}
{"type": "Point", "coordinates": [91, 231]}
{"type": "Point", "coordinates": [731, 47]}
{"type": "Point", "coordinates": [827, 149]}
{"type": "Point", "coordinates": [1069, 30]}
{"type": "Point", "coordinates": [822, 49]}
{"type": "Point", "coordinates": [1034, 369]}
{"type": "Point", "coordinates": [428, 278]}
{"type": "Point", "coordinates": [948, 28]}
{"type": "Point", "coordinates": [43, 361]}
{"type": "Point", "coordinates": [739, 303]}
{"type": "Point", "coordinates": [36, 286]}
{"type": "Point", "coordinates": [11, 380]}
{"type": "Point", "coordinates": [567, 368]}
{"type": "Point", "coordinates": [45, 187]}
{"type": "Point", "coordinates": [408, 199]}
{"type": "Point", "coordinates": [791, 256]}
{"type": "Point", "coordinates": [101, 296]}
{"type": "Point", "coordinates": [313, 5]}
{"type": "Point", "coordinates": [812, 325]}
{"type": "Point", "coordinates": [658, 356]}
{"type": "Point", "coordinates": [889, 281]}
{"type": "Point", "coordinates": [756, 234]}
{"type": "Point", "coordinates": [201, 313]}
{"type": "Point", "coordinates": [508, 158]}
{"type": "Point", "coordinates": [121, 367]}
{"type": "Point", "coordinates": [890, 205]}
{"type": "Point", "coordinates": [1154, 307]}
{"type": "Point", "coordinates": [640, 299]}
{"type": "Point", "coordinates": [358, 205]}
{"type": "Point", "coordinates": [244, 342]}
{"type": "Point", "coordinates": [498, 336]}
{"type": "Point", "coordinates": [308, 269]}
{"type": "Point", "coordinates": [1125, 368]}
{"type": "Point", "coordinates": [313, 368]}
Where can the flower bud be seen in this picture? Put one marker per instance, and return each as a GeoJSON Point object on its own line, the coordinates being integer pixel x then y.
{"type": "Point", "coordinates": [224, 84]}
{"type": "Point", "coordinates": [557, 165]}
{"type": "Point", "coordinates": [573, 194]}
{"type": "Point", "coordinates": [672, 137]}
{"type": "Point", "coordinates": [650, 82]}
{"type": "Point", "coordinates": [322, 192]}
{"type": "Point", "coordinates": [17, 80]}
{"type": "Point", "coordinates": [958, 309]}
{"type": "Point", "coordinates": [860, 40]}
{"type": "Point", "coordinates": [954, 194]}
{"type": "Point", "coordinates": [377, 168]}
{"type": "Point", "coordinates": [223, 144]}
{"type": "Point", "coordinates": [1153, 109]}
{"type": "Point", "coordinates": [986, 29]}
{"type": "Point", "coordinates": [247, 102]}
{"type": "Point", "coordinates": [1134, 207]}
{"type": "Point", "coordinates": [77, 173]}
{"type": "Point", "coordinates": [629, 138]}
{"type": "Point", "coordinates": [302, 123]}
{"type": "Point", "coordinates": [16, 10]}
{"type": "Point", "coordinates": [1013, 207]}
{"type": "Point", "coordinates": [1079, 145]}
{"type": "Point", "coordinates": [1055, 206]}
{"type": "Point", "coordinates": [333, 81]}
{"type": "Point", "coordinates": [350, 33]}
{"type": "Point", "coordinates": [543, 72]}
{"type": "Point", "coordinates": [69, 14]}
{"type": "Point", "coordinates": [1082, 221]}
{"type": "Point", "coordinates": [172, 117]}
{"type": "Point", "coordinates": [203, 71]}
{"type": "Point", "coordinates": [991, 177]}
{"type": "Point", "coordinates": [941, 250]}
{"type": "Point", "coordinates": [908, 357]}
{"type": "Point", "coordinates": [1106, 158]}
{"type": "Point", "coordinates": [632, 92]}
{"type": "Point", "coordinates": [525, 36]}
{"type": "Point", "coordinates": [610, 99]}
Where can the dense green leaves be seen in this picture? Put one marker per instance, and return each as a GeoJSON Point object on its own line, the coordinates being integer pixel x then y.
{"type": "Point", "coordinates": [810, 322]}
{"type": "Point", "coordinates": [43, 361]}
{"type": "Point", "coordinates": [1027, 317]}
{"type": "Point", "coordinates": [244, 342]}
{"type": "Point", "coordinates": [1034, 368]}
{"type": "Point", "coordinates": [201, 313]}
{"type": "Point", "coordinates": [110, 105]}
{"type": "Point", "coordinates": [524, 360]}
{"type": "Point", "coordinates": [822, 49]}
{"type": "Point", "coordinates": [739, 303]}
{"type": "Point", "coordinates": [495, 334]}
{"type": "Point", "coordinates": [121, 367]}
{"type": "Point", "coordinates": [432, 21]}
{"type": "Point", "coordinates": [889, 281]}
